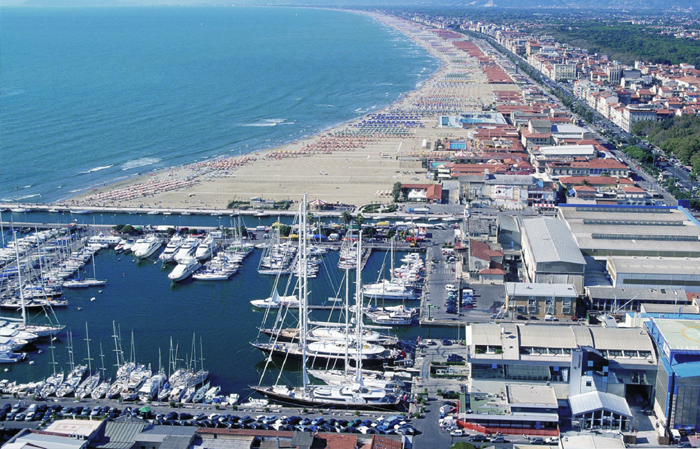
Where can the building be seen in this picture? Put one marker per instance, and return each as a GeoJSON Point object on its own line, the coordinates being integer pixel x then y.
{"type": "Point", "coordinates": [599, 410]}
{"type": "Point", "coordinates": [481, 256]}
{"type": "Point", "coordinates": [430, 193]}
{"type": "Point", "coordinates": [550, 253]}
{"type": "Point", "coordinates": [541, 300]}
{"type": "Point", "coordinates": [539, 157]}
{"type": "Point", "coordinates": [624, 299]}
{"type": "Point", "coordinates": [594, 167]}
{"type": "Point", "coordinates": [517, 409]}
{"type": "Point", "coordinates": [677, 399]}
{"type": "Point", "coordinates": [654, 231]}
{"type": "Point", "coordinates": [654, 272]}
{"type": "Point", "coordinates": [573, 359]}
{"type": "Point", "coordinates": [637, 113]}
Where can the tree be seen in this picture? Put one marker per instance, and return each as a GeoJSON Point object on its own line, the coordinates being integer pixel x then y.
{"type": "Point", "coordinates": [359, 219]}
{"type": "Point", "coordinates": [345, 217]}
{"type": "Point", "coordinates": [396, 192]}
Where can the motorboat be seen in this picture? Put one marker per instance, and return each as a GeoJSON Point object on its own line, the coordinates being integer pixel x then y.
{"type": "Point", "coordinates": [276, 301]}
{"type": "Point", "coordinates": [387, 289]}
{"type": "Point", "coordinates": [146, 247]}
{"type": "Point", "coordinates": [173, 246]}
{"type": "Point", "coordinates": [187, 250]}
{"type": "Point", "coordinates": [152, 386]}
{"type": "Point", "coordinates": [184, 269]}
{"type": "Point", "coordinates": [206, 249]}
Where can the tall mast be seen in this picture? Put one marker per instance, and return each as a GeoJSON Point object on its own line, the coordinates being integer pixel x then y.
{"type": "Point", "coordinates": [358, 307]}
{"type": "Point", "coordinates": [19, 279]}
{"type": "Point", "coordinates": [87, 342]}
{"type": "Point", "coordinates": [102, 357]}
{"type": "Point", "coordinates": [347, 318]}
{"type": "Point", "coordinates": [303, 293]}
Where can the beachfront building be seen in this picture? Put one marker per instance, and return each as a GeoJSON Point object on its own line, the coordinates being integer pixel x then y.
{"type": "Point", "coordinates": [542, 301]}
{"type": "Point", "coordinates": [429, 193]}
{"type": "Point", "coordinates": [550, 253]}
{"type": "Point", "coordinates": [585, 167]}
{"type": "Point", "coordinates": [540, 156]}
{"type": "Point", "coordinates": [573, 359]}
{"type": "Point", "coordinates": [677, 398]}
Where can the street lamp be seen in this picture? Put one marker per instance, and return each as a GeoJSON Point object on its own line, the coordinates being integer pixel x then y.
{"type": "Point", "coordinates": [429, 307]}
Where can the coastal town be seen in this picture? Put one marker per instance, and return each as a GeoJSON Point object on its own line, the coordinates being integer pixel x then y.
{"type": "Point", "coordinates": [526, 216]}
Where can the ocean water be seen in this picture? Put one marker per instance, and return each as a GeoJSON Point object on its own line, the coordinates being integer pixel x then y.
{"type": "Point", "coordinates": [93, 95]}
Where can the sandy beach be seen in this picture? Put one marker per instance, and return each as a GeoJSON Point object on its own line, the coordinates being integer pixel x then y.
{"type": "Point", "coordinates": [355, 163]}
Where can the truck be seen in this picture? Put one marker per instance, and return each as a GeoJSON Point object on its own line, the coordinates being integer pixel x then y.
{"type": "Point", "coordinates": [676, 435]}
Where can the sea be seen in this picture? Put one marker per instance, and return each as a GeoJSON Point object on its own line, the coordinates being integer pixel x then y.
{"type": "Point", "coordinates": [93, 95]}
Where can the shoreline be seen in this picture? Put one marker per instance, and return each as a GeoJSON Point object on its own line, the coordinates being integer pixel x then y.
{"type": "Point", "coordinates": [344, 163]}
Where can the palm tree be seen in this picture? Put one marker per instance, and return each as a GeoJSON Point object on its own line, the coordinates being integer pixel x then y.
{"type": "Point", "coordinates": [346, 217]}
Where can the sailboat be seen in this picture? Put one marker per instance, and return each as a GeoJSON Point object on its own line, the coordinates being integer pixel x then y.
{"type": "Point", "coordinates": [40, 330]}
{"type": "Point", "coordinates": [87, 282]}
{"type": "Point", "coordinates": [352, 395]}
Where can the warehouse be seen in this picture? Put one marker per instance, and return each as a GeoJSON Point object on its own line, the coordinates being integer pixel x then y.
{"type": "Point", "coordinates": [654, 272]}
{"type": "Point", "coordinates": [550, 254]}
{"type": "Point", "coordinates": [611, 299]}
{"type": "Point", "coordinates": [654, 231]}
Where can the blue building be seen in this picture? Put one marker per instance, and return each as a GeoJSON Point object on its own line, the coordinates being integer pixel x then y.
{"type": "Point", "coordinates": [677, 396]}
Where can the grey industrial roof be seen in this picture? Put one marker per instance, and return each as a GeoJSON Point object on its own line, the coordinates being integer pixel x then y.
{"type": "Point", "coordinates": [639, 294]}
{"type": "Point", "coordinates": [656, 265]}
{"type": "Point", "coordinates": [598, 400]}
{"type": "Point", "coordinates": [586, 230]}
{"type": "Point", "coordinates": [573, 214]}
{"type": "Point", "coordinates": [557, 336]}
{"type": "Point", "coordinates": [552, 241]}
{"type": "Point", "coordinates": [641, 247]}
{"type": "Point", "coordinates": [534, 289]}
{"type": "Point", "coordinates": [118, 435]}
{"type": "Point", "coordinates": [671, 309]}
{"type": "Point", "coordinates": [605, 338]}
{"type": "Point", "coordinates": [547, 337]}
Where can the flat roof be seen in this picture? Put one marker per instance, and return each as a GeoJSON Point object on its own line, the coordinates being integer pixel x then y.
{"type": "Point", "coordinates": [591, 441]}
{"type": "Point", "coordinates": [671, 309]}
{"type": "Point", "coordinates": [74, 427]}
{"type": "Point", "coordinates": [566, 150]}
{"type": "Point", "coordinates": [534, 289]}
{"type": "Point", "coordinates": [656, 265]}
{"type": "Point", "coordinates": [531, 395]}
{"type": "Point", "coordinates": [555, 336]}
{"type": "Point", "coordinates": [551, 241]}
{"type": "Point", "coordinates": [639, 294]}
{"type": "Point", "coordinates": [680, 335]}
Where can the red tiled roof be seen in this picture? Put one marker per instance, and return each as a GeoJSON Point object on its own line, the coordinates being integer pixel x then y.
{"type": "Point", "coordinates": [482, 250]}
{"type": "Point", "coordinates": [492, 271]}
{"type": "Point", "coordinates": [595, 180]}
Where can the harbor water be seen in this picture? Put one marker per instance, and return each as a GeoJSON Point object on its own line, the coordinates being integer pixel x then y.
{"type": "Point", "coordinates": [140, 298]}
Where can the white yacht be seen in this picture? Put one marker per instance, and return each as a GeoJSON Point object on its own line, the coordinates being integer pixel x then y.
{"type": "Point", "coordinates": [145, 247]}
{"type": "Point", "coordinates": [387, 289]}
{"type": "Point", "coordinates": [184, 269]}
{"type": "Point", "coordinates": [187, 250]}
{"type": "Point", "coordinates": [152, 386]}
{"type": "Point", "coordinates": [168, 254]}
{"type": "Point", "coordinates": [206, 249]}
{"type": "Point", "coordinates": [276, 301]}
